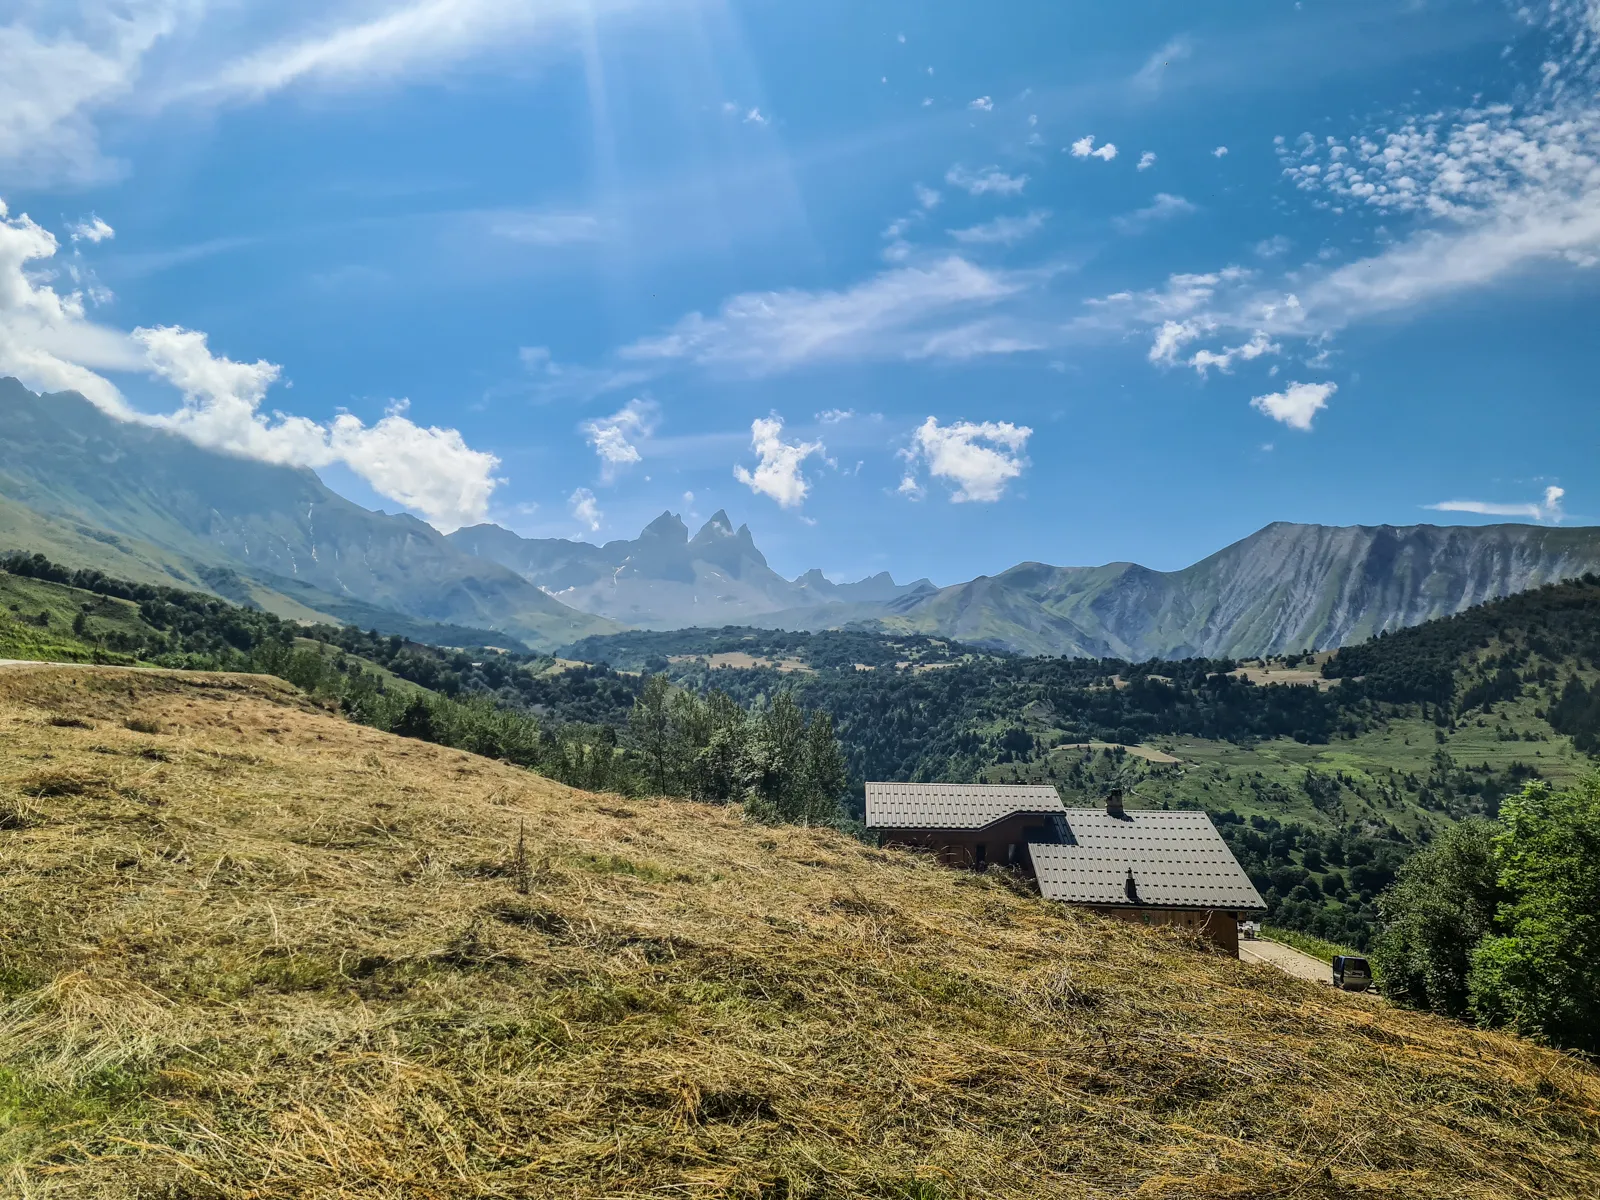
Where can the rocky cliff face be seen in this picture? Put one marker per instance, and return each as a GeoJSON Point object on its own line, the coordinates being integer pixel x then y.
{"type": "Point", "coordinates": [1286, 587]}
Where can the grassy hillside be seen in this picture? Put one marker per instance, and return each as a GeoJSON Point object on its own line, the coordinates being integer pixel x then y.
{"type": "Point", "coordinates": [263, 952]}
{"type": "Point", "coordinates": [149, 492]}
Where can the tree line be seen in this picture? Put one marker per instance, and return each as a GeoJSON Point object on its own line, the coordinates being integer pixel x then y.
{"type": "Point", "coordinates": [1498, 922]}
{"type": "Point", "coordinates": [778, 759]}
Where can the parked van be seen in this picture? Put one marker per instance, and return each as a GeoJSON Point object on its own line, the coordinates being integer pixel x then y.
{"type": "Point", "coordinates": [1351, 974]}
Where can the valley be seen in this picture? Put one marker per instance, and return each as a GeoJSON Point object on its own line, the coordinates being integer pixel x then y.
{"type": "Point", "coordinates": [1323, 791]}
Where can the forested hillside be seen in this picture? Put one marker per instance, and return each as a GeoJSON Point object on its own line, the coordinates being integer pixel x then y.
{"type": "Point", "coordinates": [1325, 773]}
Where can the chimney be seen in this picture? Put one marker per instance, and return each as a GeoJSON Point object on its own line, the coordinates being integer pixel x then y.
{"type": "Point", "coordinates": [1130, 888]}
{"type": "Point", "coordinates": [1114, 803]}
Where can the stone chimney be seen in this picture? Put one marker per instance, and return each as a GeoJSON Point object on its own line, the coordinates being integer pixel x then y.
{"type": "Point", "coordinates": [1114, 803]}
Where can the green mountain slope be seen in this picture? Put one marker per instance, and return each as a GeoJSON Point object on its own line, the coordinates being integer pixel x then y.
{"type": "Point", "coordinates": [1287, 587]}
{"type": "Point", "coordinates": [186, 510]}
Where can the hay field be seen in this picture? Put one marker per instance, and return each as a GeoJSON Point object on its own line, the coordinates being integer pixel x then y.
{"type": "Point", "coordinates": [248, 950]}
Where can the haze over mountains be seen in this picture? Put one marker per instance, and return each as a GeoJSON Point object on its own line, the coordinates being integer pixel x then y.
{"type": "Point", "coordinates": [143, 503]}
{"type": "Point", "coordinates": [664, 579]}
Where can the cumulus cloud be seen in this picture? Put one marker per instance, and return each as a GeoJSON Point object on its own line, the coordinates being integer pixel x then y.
{"type": "Point", "coordinates": [1084, 148]}
{"type": "Point", "coordinates": [902, 313]}
{"type": "Point", "coordinates": [1163, 207]}
{"type": "Point", "coordinates": [985, 181]}
{"type": "Point", "coordinates": [1002, 231]}
{"type": "Point", "coordinates": [982, 104]}
{"type": "Point", "coordinates": [979, 458]}
{"type": "Point", "coordinates": [778, 463]}
{"type": "Point", "coordinates": [431, 470]}
{"type": "Point", "coordinates": [48, 342]}
{"type": "Point", "coordinates": [1220, 152]}
{"type": "Point", "coordinates": [613, 437]}
{"type": "Point", "coordinates": [1549, 509]}
{"type": "Point", "coordinates": [1297, 404]}
{"type": "Point", "coordinates": [1146, 161]}
{"type": "Point", "coordinates": [586, 509]}
{"type": "Point", "coordinates": [927, 197]}
{"type": "Point", "coordinates": [1259, 344]}
{"type": "Point", "coordinates": [91, 229]}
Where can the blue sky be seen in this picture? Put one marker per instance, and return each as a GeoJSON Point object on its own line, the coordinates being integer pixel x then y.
{"type": "Point", "coordinates": [932, 287]}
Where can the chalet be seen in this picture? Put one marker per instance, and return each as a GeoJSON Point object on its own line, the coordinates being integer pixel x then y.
{"type": "Point", "coordinates": [966, 824]}
{"type": "Point", "coordinates": [1150, 866]}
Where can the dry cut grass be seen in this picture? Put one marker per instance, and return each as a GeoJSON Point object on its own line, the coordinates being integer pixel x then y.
{"type": "Point", "coordinates": [249, 950]}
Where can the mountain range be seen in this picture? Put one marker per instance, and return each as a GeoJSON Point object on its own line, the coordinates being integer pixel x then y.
{"type": "Point", "coordinates": [146, 504]}
{"type": "Point", "coordinates": [664, 579]}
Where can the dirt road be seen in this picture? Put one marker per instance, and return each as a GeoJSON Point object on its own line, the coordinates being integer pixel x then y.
{"type": "Point", "coordinates": [1287, 959]}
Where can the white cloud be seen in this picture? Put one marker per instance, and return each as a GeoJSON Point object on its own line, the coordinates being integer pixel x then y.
{"type": "Point", "coordinates": [47, 341]}
{"type": "Point", "coordinates": [1297, 404]}
{"type": "Point", "coordinates": [613, 437]}
{"type": "Point", "coordinates": [59, 73]}
{"type": "Point", "coordinates": [91, 229]}
{"type": "Point", "coordinates": [1002, 231]}
{"type": "Point", "coordinates": [1153, 73]}
{"type": "Point", "coordinates": [979, 458]}
{"type": "Point", "coordinates": [1146, 161]}
{"type": "Point", "coordinates": [985, 181]}
{"type": "Point", "coordinates": [583, 506]}
{"type": "Point", "coordinates": [1259, 344]}
{"type": "Point", "coordinates": [429, 469]}
{"type": "Point", "coordinates": [1172, 337]}
{"type": "Point", "coordinates": [754, 117]}
{"type": "Point", "coordinates": [982, 104]}
{"type": "Point", "coordinates": [404, 40]}
{"type": "Point", "coordinates": [547, 228]}
{"type": "Point", "coordinates": [1163, 207]}
{"type": "Point", "coordinates": [1084, 148]}
{"type": "Point", "coordinates": [927, 197]}
{"type": "Point", "coordinates": [778, 463]}
{"type": "Point", "coordinates": [1220, 152]}
{"type": "Point", "coordinates": [833, 416]}
{"type": "Point", "coordinates": [898, 314]}
{"type": "Point", "coordinates": [1467, 198]}
{"type": "Point", "coordinates": [1549, 509]}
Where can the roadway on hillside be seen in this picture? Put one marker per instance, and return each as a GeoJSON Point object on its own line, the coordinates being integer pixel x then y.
{"type": "Point", "coordinates": [1287, 959]}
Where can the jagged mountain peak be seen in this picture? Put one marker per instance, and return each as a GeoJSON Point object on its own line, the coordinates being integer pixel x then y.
{"type": "Point", "coordinates": [719, 526]}
{"type": "Point", "coordinates": [668, 527]}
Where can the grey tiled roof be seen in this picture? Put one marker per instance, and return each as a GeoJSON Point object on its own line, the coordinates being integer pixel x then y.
{"type": "Point", "coordinates": [1178, 861]}
{"type": "Point", "coordinates": [954, 805]}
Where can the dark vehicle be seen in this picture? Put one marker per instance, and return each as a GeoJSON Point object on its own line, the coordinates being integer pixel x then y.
{"type": "Point", "coordinates": [1351, 974]}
